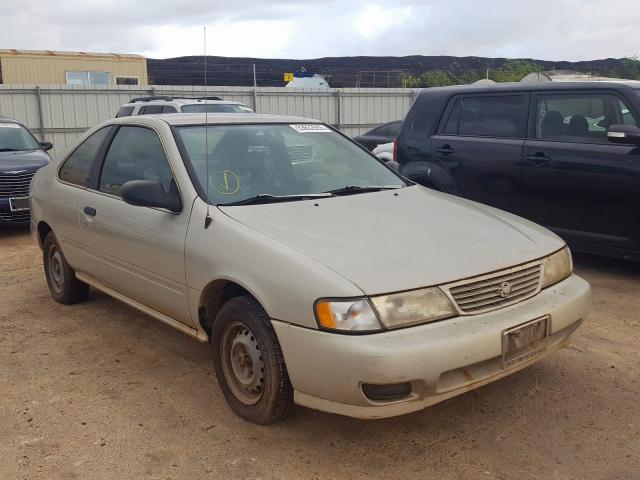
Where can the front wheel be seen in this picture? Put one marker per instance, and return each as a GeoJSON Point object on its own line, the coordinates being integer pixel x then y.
{"type": "Point", "coordinates": [249, 363]}
{"type": "Point", "coordinates": [63, 285]}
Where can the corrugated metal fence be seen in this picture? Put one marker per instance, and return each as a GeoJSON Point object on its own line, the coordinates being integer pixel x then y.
{"type": "Point", "coordinates": [60, 113]}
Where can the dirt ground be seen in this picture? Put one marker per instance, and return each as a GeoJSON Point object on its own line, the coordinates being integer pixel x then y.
{"type": "Point", "coordinates": [100, 391]}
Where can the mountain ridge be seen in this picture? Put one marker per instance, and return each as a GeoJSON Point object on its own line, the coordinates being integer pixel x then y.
{"type": "Point", "coordinates": [363, 71]}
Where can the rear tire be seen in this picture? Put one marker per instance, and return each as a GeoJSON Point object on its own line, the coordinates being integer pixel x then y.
{"type": "Point", "coordinates": [63, 285]}
{"type": "Point", "coordinates": [249, 363]}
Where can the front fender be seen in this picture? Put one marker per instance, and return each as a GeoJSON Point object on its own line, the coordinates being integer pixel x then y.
{"type": "Point", "coordinates": [284, 281]}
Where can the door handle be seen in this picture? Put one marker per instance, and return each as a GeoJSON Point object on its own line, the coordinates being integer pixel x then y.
{"type": "Point", "coordinates": [445, 150]}
{"type": "Point", "coordinates": [539, 159]}
{"type": "Point", "coordinates": [90, 211]}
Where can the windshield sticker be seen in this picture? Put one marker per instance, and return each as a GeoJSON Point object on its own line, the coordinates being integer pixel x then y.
{"type": "Point", "coordinates": [311, 128]}
{"type": "Point", "coordinates": [9, 125]}
{"type": "Point", "coordinates": [225, 182]}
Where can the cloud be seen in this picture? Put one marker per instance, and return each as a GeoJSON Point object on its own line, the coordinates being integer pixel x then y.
{"type": "Point", "coordinates": [545, 29]}
{"type": "Point", "coordinates": [375, 21]}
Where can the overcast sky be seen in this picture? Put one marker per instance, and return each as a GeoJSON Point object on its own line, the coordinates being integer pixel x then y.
{"type": "Point", "coordinates": [543, 29]}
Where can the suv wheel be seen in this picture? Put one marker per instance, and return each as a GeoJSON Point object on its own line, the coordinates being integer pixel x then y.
{"type": "Point", "coordinates": [63, 285]}
{"type": "Point", "coordinates": [249, 364]}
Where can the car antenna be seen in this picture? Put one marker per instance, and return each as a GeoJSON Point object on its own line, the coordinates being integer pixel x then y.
{"type": "Point", "coordinates": [207, 218]}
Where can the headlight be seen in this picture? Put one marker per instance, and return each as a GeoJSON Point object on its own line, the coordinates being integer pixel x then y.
{"type": "Point", "coordinates": [556, 267]}
{"type": "Point", "coordinates": [349, 315]}
{"type": "Point", "coordinates": [410, 308]}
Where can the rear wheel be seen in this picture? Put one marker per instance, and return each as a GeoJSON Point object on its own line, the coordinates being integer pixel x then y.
{"type": "Point", "coordinates": [249, 364]}
{"type": "Point", "coordinates": [63, 285]}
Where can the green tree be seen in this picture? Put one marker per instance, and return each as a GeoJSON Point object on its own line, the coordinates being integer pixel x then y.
{"type": "Point", "coordinates": [513, 71]}
{"type": "Point", "coordinates": [433, 78]}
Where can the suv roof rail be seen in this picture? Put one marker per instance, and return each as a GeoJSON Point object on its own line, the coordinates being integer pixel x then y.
{"type": "Point", "coordinates": [201, 98]}
{"type": "Point", "coordinates": [168, 98]}
{"type": "Point", "coordinates": [148, 99]}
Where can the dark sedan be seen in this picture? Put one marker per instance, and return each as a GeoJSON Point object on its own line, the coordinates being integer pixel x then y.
{"type": "Point", "coordinates": [377, 136]}
{"type": "Point", "coordinates": [21, 155]}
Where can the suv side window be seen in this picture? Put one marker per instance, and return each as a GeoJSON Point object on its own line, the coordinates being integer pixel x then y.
{"type": "Point", "coordinates": [76, 169]}
{"type": "Point", "coordinates": [135, 153]}
{"type": "Point", "coordinates": [124, 112]}
{"type": "Point", "coordinates": [582, 118]}
{"type": "Point", "coordinates": [493, 116]}
{"type": "Point", "coordinates": [169, 109]}
{"type": "Point", "coordinates": [149, 109]}
{"type": "Point", "coordinates": [451, 127]}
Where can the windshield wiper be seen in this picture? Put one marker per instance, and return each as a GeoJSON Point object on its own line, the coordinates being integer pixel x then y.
{"type": "Point", "coordinates": [268, 198]}
{"type": "Point", "coordinates": [353, 189]}
{"type": "Point", "coordinates": [9, 150]}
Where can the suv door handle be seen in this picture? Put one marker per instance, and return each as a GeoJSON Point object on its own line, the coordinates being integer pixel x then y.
{"type": "Point", "coordinates": [90, 211]}
{"type": "Point", "coordinates": [539, 159]}
{"type": "Point", "coordinates": [445, 150]}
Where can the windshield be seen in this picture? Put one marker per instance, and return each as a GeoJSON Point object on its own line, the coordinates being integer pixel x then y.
{"type": "Point", "coordinates": [246, 161]}
{"type": "Point", "coordinates": [14, 137]}
{"type": "Point", "coordinates": [215, 108]}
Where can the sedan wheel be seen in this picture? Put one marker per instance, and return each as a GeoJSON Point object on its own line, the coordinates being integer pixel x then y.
{"type": "Point", "coordinates": [249, 363]}
{"type": "Point", "coordinates": [56, 269]}
{"type": "Point", "coordinates": [63, 285]}
{"type": "Point", "coordinates": [242, 365]}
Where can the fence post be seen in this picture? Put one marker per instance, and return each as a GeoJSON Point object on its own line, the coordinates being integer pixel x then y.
{"type": "Point", "coordinates": [40, 115]}
{"type": "Point", "coordinates": [338, 110]}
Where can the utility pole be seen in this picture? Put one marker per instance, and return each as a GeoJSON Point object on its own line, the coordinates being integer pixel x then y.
{"type": "Point", "coordinates": [255, 90]}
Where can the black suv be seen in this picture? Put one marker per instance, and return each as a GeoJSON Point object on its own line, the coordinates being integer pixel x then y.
{"type": "Point", "coordinates": [21, 155]}
{"type": "Point", "coordinates": [565, 155]}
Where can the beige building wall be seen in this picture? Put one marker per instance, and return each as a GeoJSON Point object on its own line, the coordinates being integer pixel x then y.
{"type": "Point", "coordinates": [50, 68]}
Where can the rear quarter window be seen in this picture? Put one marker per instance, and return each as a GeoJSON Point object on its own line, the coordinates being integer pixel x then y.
{"type": "Point", "coordinates": [493, 116]}
{"type": "Point", "coordinates": [125, 112]}
{"type": "Point", "coordinates": [76, 169]}
{"type": "Point", "coordinates": [150, 109]}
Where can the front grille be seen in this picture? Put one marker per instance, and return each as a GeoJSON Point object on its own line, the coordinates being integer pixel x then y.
{"type": "Point", "coordinates": [15, 217]}
{"type": "Point", "coordinates": [15, 185]}
{"type": "Point", "coordinates": [496, 290]}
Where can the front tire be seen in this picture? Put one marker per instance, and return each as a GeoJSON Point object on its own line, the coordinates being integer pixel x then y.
{"type": "Point", "coordinates": [63, 285]}
{"type": "Point", "coordinates": [249, 363]}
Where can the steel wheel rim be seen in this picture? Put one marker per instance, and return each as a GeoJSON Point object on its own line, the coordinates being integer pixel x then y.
{"type": "Point", "coordinates": [56, 271]}
{"type": "Point", "coordinates": [242, 363]}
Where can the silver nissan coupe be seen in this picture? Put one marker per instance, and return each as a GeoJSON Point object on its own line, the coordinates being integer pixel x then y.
{"type": "Point", "coordinates": [318, 275]}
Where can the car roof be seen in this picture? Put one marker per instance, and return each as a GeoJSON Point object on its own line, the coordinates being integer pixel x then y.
{"type": "Point", "coordinates": [533, 86]}
{"type": "Point", "coordinates": [215, 118]}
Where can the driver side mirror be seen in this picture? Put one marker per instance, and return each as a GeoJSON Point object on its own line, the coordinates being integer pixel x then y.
{"type": "Point", "coordinates": [625, 134]}
{"type": "Point", "coordinates": [46, 146]}
{"type": "Point", "coordinates": [146, 193]}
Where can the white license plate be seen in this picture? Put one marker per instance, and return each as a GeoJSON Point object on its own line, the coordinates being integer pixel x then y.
{"type": "Point", "coordinates": [524, 341]}
{"type": "Point", "coordinates": [19, 204]}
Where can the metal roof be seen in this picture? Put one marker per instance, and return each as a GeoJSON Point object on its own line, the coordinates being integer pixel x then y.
{"type": "Point", "coordinates": [564, 76]}
{"type": "Point", "coordinates": [55, 53]}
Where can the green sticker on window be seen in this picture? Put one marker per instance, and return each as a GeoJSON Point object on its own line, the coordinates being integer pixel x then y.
{"type": "Point", "coordinates": [225, 182]}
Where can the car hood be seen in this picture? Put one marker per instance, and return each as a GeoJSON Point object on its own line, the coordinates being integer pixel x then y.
{"type": "Point", "coordinates": [400, 240]}
{"type": "Point", "coordinates": [28, 160]}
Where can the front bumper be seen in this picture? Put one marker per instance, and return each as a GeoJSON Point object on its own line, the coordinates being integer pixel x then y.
{"type": "Point", "coordinates": [440, 360]}
{"type": "Point", "coordinates": [7, 217]}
